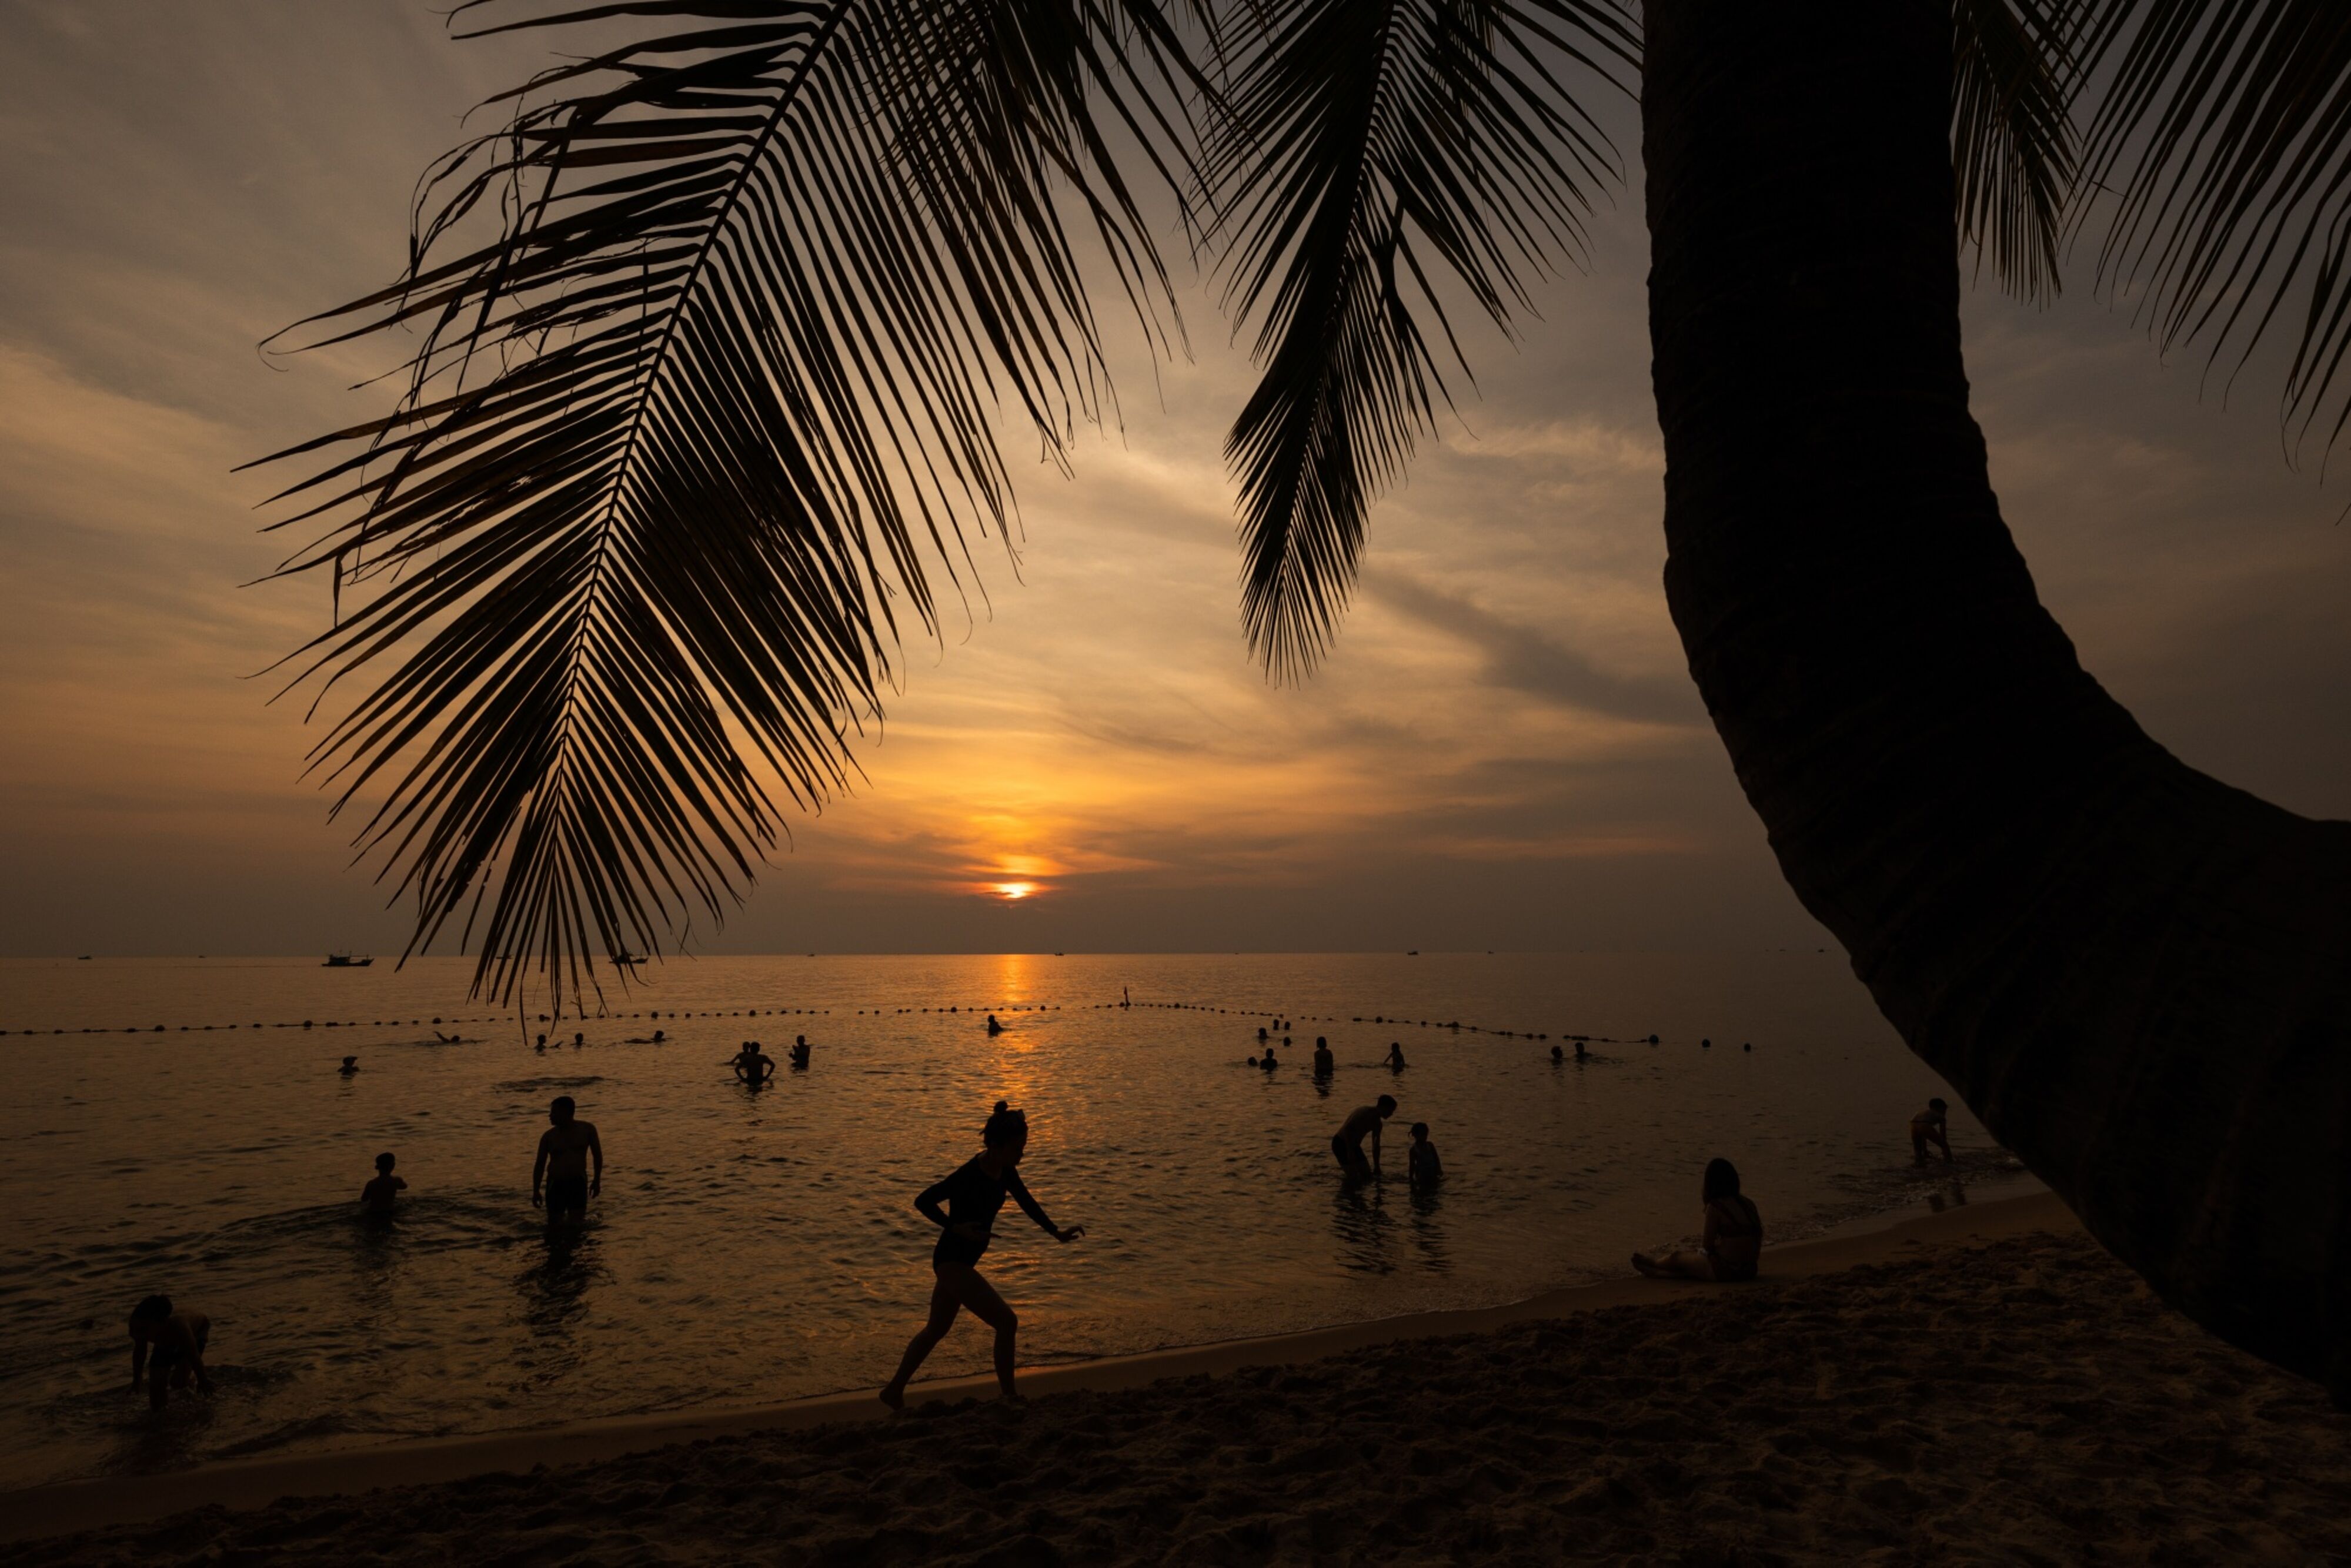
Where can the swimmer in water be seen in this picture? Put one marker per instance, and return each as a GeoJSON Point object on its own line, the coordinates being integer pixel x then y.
{"type": "Point", "coordinates": [801, 1051]}
{"type": "Point", "coordinates": [1347, 1143]}
{"type": "Point", "coordinates": [973, 1197]}
{"type": "Point", "coordinates": [1557, 1055]}
{"type": "Point", "coordinates": [350, 1065]}
{"type": "Point", "coordinates": [1395, 1056]}
{"type": "Point", "coordinates": [1325, 1064]}
{"type": "Point", "coordinates": [752, 1066]}
{"type": "Point", "coordinates": [177, 1340]}
{"type": "Point", "coordinates": [378, 1196]}
{"type": "Point", "coordinates": [1267, 1061]}
{"type": "Point", "coordinates": [1261, 1036]}
{"type": "Point", "coordinates": [578, 1039]}
{"type": "Point", "coordinates": [993, 1027]}
{"type": "Point", "coordinates": [1581, 1054]}
{"type": "Point", "coordinates": [540, 1045]}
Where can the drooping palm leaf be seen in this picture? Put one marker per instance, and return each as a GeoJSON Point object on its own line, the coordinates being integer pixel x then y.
{"type": "Point", "coordinates": [2225, 139]}
{"type": "Point", "coordinates": [1378, 158]}
{"type": "Point", "coordinates": [2015, 73]}
{"type": "Point", "coordinates": [687, 428]}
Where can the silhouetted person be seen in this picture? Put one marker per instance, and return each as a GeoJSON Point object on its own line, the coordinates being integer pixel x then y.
{"type": "Point", "coordinates": [993, 1027]}
{"type": "Point", "coordinates": [540, 1044]}
{"type": "Point", "coordinates": [1395, 1056]}
{"type": "Point", "coordinates": [564, 1151]}
{"type": "Point", "coordinates": [1582, 1054]}
{"type": "Point", "coordinates": [350, 1065]}
{"type": "Point", "coordinates": [578, 1039]}
{"type": "Point", "coordinates": [1931, 1125]}
{"type": "Point", "coordinates": [1260, 1035]}
{"type": "Point", "coordinates": [1557, 1055]}
{"type": "Point", "coordinates": [177, 1340]}
{"type": "Point", "coordinates": [801, 1051]}
{"type": "Point", "coordinates": [973, 1197]}
{"type": "Point", "coordinates": [1267, 1062]}
{"type": "Point", "coordinates": [1347, 1143]}
{"type": "Point", "coordinates": [753, 1066]}
{"type": "Point", "coordinates": [378, 1196]}
{"type": "Point", "coordinates": [1324, 1063]}
{"type": "Point", "coordinates": [1733, 1238]}
{"type": "Point", "coordinates": [1422, 1167]}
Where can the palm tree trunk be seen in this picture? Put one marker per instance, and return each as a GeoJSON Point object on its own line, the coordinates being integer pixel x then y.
{"type": "Point", "coordinates": [2137, 977]}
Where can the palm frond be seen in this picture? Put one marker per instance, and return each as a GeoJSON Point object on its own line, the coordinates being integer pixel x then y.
{"type": "Point", "coordinates": [1377, 157]}
{"type": "Point", "coordinates": [2225, 140]}
{"type": "Point", "coordinates": [2014, 77]}
{"type": "Point", "coordinates": [687, 428]}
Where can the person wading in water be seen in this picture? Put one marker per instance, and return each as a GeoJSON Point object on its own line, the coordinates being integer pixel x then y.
{"type": "Point", "coordinates": [973, 1195]}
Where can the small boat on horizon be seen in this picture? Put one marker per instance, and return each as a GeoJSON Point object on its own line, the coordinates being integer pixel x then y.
{"type": "Point", "coordinates": [628, 960]}
{"type": "Point", "coordinates": [345, 961]}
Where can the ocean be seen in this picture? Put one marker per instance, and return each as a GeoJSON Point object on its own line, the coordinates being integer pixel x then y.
{"type": "Point", "coordinates": [755, 1246]}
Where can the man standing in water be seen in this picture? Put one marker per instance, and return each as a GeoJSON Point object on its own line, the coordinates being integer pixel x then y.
{"type": "Point", "coordinates": [1347, 1143]}
{"type": "Point", "coordinates": [564, 1150]}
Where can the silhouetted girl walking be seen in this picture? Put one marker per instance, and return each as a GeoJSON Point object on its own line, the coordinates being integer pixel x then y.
{"type": "Point", "coordinates": [973, 1195]}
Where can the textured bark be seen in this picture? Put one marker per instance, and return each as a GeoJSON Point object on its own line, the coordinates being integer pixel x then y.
{"type": "Point", "coordinates": [2137, 977]}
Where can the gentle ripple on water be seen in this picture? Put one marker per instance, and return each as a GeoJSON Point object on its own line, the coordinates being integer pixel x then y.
{"type": "Point", "coordinates": [750, 1248]}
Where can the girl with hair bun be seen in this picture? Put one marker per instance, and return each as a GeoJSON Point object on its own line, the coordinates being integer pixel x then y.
{"type": "Point", "coordinates": [972, 1197]}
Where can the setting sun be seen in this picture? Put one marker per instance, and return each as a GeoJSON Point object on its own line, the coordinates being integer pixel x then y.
{"type": "Point", "coordinates": [1015, 889]}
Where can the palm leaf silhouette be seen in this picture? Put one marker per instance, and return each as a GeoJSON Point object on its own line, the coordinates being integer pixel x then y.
{"type": "Point", "coordinates": [2016, 71]}
{"type": "Point", "coordinates": [1377, 154]}
{"type": "Point", "coordinates": [687, 429]}
{"type": "Point", "coordinates": [2225, 137]}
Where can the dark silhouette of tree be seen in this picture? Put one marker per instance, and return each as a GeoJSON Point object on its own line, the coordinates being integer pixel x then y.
{"type": "Point", "coordinates": [713, 328]}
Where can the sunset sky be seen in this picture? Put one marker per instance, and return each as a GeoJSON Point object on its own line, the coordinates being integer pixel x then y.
{"type": "Point", "coordinates": [1504, 750]}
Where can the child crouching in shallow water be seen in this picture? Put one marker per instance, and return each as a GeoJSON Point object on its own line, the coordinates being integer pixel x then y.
{"type": "Point", "coordinates": [1422, 1167]}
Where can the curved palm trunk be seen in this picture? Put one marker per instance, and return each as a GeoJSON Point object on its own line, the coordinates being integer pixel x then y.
{"type": "Point", "coordinates": [2138, 977]}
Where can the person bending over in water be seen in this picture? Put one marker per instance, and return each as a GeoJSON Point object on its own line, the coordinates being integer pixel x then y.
{"type": "Point", "coordinates": [1395, 1056]}
{"type": "Point", "coordinates": [1324, 1063]}
{"type": "Point", "coordinates": [1422, 1167]}
{"type": "Point", "coordinates": [1931, 1125]}
{"type": "Point", "coordinates": [1347, 1143]}
{"type": "Point", "coordinates": [973, 1195]}
{"type": "Point", "coordinates": [377, 1196]}
{"type": "Point", "coordinates": [178, 1341]}
{"type": "Point", "coordinates": [1733, 1237]}
{"type": "Point", "coordinates": [350, 1065]}
{"type": "Point", "coordinates": [564, 1150]}
{"type": "Point", "coordinates": [752, 1065]}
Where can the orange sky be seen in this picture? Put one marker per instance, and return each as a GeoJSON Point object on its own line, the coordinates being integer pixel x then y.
{"type": "Point", "coordinates": [1503, 752]}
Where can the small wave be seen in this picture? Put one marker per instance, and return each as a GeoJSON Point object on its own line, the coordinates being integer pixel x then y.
{"type": "Point", "coordinates": [533, 1085]}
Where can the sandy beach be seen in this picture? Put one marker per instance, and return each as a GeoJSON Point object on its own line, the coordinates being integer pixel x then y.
{"type": "Point", "coordinates": [1979, 1385]}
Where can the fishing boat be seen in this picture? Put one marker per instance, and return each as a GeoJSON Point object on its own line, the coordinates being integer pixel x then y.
{"type": "Point", "coordinates": [346, 961]}
{"type": "Point", "coordinates": [628, 960]}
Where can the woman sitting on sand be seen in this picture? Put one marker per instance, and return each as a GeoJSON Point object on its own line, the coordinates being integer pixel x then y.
{"type": "Point", "coordinates": [1733, 1238]}
{"type": "Point", "coordinates": [973, 1195]}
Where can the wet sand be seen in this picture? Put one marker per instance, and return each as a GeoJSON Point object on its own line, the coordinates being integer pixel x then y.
{"type": "Point", "coordinates": [1980, 1385]}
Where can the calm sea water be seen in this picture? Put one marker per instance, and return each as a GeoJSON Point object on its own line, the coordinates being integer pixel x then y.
{"type": "Point", "coordinates": [755, 1246]}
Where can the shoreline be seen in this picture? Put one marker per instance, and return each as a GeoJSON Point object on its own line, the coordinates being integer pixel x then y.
{"type": "Point", "coordinates": [69, 1506]}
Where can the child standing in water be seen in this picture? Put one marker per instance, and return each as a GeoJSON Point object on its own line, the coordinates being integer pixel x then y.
{"type": "Point", "coordinates": [378, 1196]}
{"type": "Point", "coordinates": [1422, 1167]}
{"type": "Point", "coordinates": [973, 1195]}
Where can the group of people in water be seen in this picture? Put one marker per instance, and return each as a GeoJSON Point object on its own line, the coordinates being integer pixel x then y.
{"type": "Point", "coordinates": [569, 1171]}
{"type": "Point", "coordinates": [754, 1068]}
